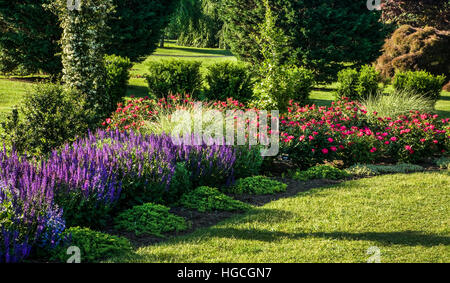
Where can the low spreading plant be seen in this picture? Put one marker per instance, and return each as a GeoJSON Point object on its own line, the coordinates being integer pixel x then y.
{"type": "Point", "coordinates": [149, 219]}
{"type": "Point", "coordinates": [321, 172]}
{"type": "Point", "coordinates": [258, 185]}
{"type": "Point", "coordinates": [94, 246]}
{"type": "Point", "coordinates": [364, 170]}
{"type": "Point", "coordinates": [209, 199]}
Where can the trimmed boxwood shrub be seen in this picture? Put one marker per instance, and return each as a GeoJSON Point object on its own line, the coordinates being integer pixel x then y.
{"type": "Point", "coordinates": [150, 219]}
{"type": "Point", "coordinates": [174, 77]}
{"type": "Point", "coordinates": [94, 246]}
{"type": "Point", "coordinates": [229, 79]}
{"type": "Point", "coordinates": [420, 82]}
{"type": "Point", "coordinates": [258, 185]}
{"type": "Point", "coordinates": [209, 199]}
{"type": "Point", "coordinates": [358, 85]}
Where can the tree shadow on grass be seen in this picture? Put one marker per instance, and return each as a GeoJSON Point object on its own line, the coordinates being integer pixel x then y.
{"type": "Point", "coordinates": [219, 52]}
{"type": "Point", "coordinates": [404, 238]}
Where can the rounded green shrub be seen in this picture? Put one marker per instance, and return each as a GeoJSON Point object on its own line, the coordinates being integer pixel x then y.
{"type": "Point", "coordinates": [229, 79]}
{"type": "Point", "coordinates": [443, 163]}
{"type": "Point", "coordinates": [174, 77]}
{"type": "Point", "coordinates": [150, 219]}
{"type": "Point", "coordinates": [258, 185]}
{"type": "Point", "coordinates": [117, 76]}
{"type": "Point", "coordinates": [420, 82]}
{"type": "Point", "coordinates": [358, 85]}
{"type": "Point", "coordinates": [94, 246]}
{"type": "Point", "coordinates": [321, 172]}
{"type": "Point", "coordinates": [209, 199]}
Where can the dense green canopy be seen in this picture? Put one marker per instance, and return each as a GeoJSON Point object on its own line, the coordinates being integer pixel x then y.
{"type": "Point", "coordinates": [322, 34]}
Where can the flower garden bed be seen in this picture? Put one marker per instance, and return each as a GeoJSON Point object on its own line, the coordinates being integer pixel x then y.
{"type": "Point", "coordinates": [89, 182]}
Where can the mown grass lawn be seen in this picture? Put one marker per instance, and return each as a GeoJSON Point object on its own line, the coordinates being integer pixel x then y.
{"type": "Point", "coordinates": [406, 216]}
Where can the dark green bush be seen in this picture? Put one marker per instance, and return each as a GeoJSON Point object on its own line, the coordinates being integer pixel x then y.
{"type": "Point", "coordinates": [94, 246]}
{"type": "Point", "coordinates": [258, 185]}
{"type": "Point", "coordinates": [420, 82]}
{"type": "Point", "coordinates": [49, 117]}
{"type": "Point", "coordinates": [209, 199]}
{"type": "Point", "coordinates": [358, 85]}
{"type": "Point", "coordinates": [321, 172]}
{"type": "Point", "coordinates": [117, 76]}
{"type": "Point", "coordinates": [228, 79]}
{"type": "Point", "coordinates": [150, 219]}
{"type": "Point", "coordinates": [174, 77]}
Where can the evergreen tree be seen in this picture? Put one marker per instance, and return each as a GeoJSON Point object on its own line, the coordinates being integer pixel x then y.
{"type": "Point", "coordinates": [29, 37]}
{"type": "Point", "coordinates": [323, 35]}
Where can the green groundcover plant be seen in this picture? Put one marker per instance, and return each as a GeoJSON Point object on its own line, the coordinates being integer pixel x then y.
{"type": "Point", "coordinates": [364, 170]}
{"type": "Point", "coordinates": [94, 246]}
{"type": "Point", "coordinates": [150, 219]}
{"type": "Point", "coordinates": [258, 185]}
{"type": "Point", "coordinates": [209, 199]}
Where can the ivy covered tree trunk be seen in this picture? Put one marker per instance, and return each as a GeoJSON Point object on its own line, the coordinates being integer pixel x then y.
{"type": "Point", "coordinates": [83, 39]}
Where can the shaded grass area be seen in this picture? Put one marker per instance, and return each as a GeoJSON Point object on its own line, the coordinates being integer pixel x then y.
{"type": "Point", "coordinates": [11, 93]}
{"type": "Point", "coordinates": [405, 216]}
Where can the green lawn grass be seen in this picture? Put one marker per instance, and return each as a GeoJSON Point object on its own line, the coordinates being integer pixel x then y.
{"type": "Point", "coordinates": [406, 216]}
{"type": "Point", "coordinates": [11, 93]}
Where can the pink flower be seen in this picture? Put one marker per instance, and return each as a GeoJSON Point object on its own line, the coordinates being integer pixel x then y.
{"type": "Point", "coordinates": [373, 150]}
{"type": "Point", "coordinates": [394, 139]}
{"type": "Point", "coordinates": [408, 147]}
{"type": "Point", "coordinates": [333, 148]}
{"type": "Point", "coordinates": [330, 140]}
{"type": "Point", "coordinates": [422, 140]}
{"type": "Point", "coordinates": [435, 142]}
{"type": "Point", "coordinates": [325, 151]}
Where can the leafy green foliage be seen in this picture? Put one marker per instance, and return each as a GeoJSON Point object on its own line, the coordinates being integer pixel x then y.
{"type": "Point", "coordinates": [281, 81]}
{"type": "Point", "coordinates": [174, 77]}
{"type": "Point", "coordinates": [228, 79]}
{"type": "Point", "coordinates": [150, 219]}
{"type": "Point", "coordinates": [358, 85]}
{"type": "Point", "coordinates": [364, 170]}
{"type": "Point", "coordinates": [29, 38]}
{"type": "Point", "coordinates": [117, 76]}
{"type": "Point", "coordinates": [418, 13]}
{"type": "Point", "coordinates": [321, 34]}
{"type": "Point", "coordinates": [94, 246]}
{"type": "Point", "coordinates": [321, 172]}
{"type": "Point", "coordinates": [209, 199]}
{"type": "Point", "coordinates": [197, 23]}
{"type": "Point", "coordinates": [258, 185]}
{"type": "Point", "coordinates": [49, 117]}
{"type": "Point", "coordinates": [420, 82]}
